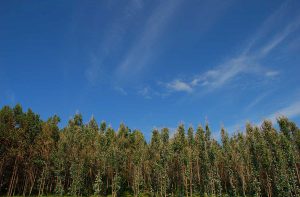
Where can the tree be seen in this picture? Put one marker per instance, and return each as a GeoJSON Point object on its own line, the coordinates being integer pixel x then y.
{"type": "Point", "coordinates": [81, 159]}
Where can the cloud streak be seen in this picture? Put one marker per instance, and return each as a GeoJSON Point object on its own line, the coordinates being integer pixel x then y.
{"type": "Point", "coordinates": [290, 28]}
{"type": "Point", "coordinates": [291, 111]}
{"type": "Point", "coordinates": [179, 86]}
{"type": "Point", "coordinates": [141, 52]}
{"type": "Point", "coordinates": [121, 91]}
{"type": "Point", "coordinates": [257, 100]}
{"type": "Point", "coordinates": [248, 62]}
{"type": "Point", "coordinates": [145, 92]}
{"type": "Point", "coordinates": [223, 73]}
{"type": "Point", "coordinates": [112, 38]}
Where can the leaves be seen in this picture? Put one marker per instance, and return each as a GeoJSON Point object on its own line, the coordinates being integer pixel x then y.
{"type": "Point", "coordinates": [36, 157]}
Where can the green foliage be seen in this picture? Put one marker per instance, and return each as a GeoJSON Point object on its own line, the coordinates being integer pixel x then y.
{"type": "Point", "coordinates": [38, 158]}
{"type": "Point", "coordinates": [98, 183]}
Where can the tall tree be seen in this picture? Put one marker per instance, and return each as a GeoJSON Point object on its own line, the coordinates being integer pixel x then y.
{"type": "Point", "coordinates": [81, 159]}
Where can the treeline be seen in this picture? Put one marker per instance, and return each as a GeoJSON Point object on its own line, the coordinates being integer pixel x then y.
{"type": "Point", "coordinates": [38, 158]}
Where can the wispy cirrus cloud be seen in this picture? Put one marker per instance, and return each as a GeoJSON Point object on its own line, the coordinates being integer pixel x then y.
{"type": "Point", "coordinates": [290, 111]}
{"type": "Point", "coordinates": [148, 93]}
{"type": "Point", "coordinates": [145, 92]}
{"type": "Point", "coordinates": [179, 86]}
{"type": "Point", "coordinates": [280, 37]}
{"type": "Point", "coordinates": [223, 73]}
{"type": "Point", "coordinates": [249, 60]}
{"type": "Point", "coordinates": [143, 49]}
{"type": "Point", "coordinates": [113, 37]}
{"type": "Point", "coordinates": [121, 90]}
{"type": "Point", "coordinates": [257, 100]}
{"type": "Point", "coordinates": [272, 73]}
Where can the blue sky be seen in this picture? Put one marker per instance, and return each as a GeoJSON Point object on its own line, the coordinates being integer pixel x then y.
{"type": "Point", "coordinates": [153, 64]}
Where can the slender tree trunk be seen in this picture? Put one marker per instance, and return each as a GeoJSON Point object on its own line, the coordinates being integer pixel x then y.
{"type": "Point", "coordinates": [161, 189]}
{"type": "Point", "coordinates": [191, 179]}
{"type": "Point", "coordinates": [33, 177]}
{"type": "Point", "coordinates": [13, 177]}
{"type": "Point", "coordinates": [16, 182]}
{"type": "Point", "coordinates": [25, 186]}
{"type": "Point", "coordinates": [243, 186]}
{"type": "Point", "coordinates": [106, 182]}
{"type": "Point", "coordinates": [185, 181]}
{"type": "Point", "coordinates": [1, 171]}
{"type": "Point", "coordinates": [50, 186]}
{"type": "Point", "coordinates": [198, 172]}
{"type": "Point", "coordinates": [269, 190]}
{"type": "Point", "coordinates": [41, 186]}
{"type": "Point", "coordinates": [297, 172]}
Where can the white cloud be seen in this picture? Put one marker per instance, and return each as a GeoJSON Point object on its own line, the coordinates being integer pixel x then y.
{"type": "Point", "coordinates": [145, 92]}
{"type": "Point", "coordinates": [281, 36]}
{"type": "Point", "coordinates": [148, 93]}
{"type": "Point", "coordinates": [143, 49]}
{"type": "Point", "coordinates": [121, 90]}
{"type": "Point", "coordinates": [218, 76]}
{"type": "Point", "coordinates": [111, 39]}
{"type": "Point", "coordinates": [272, 73]}
{"type": "Point", "coordinates": [179, 86]}
{"type": "Point", "coordinates": [291, 111]}
{"type": "Point", "coordinates": [248, 62]}
{"type": "Point", "coordinates": [93, 72]}
{"type": "Point", "coordinates": [268, 26]}
{"type": "Point", "coordinates": [225, 72]}
{"type": "Point", "coordinates": [257, 100]}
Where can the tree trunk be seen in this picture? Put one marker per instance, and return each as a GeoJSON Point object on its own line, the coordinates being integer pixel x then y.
{"type": "Point", "coordinates": [32, 180]}
{"type": "Point", "coordinates": [1, 171]}
{"type": "Point", "coordinates": [269, 190]}
{"type": "Point", "coordinates": [25, 186]}
{"type": "Point", "coordinates": [243, 185]}
{"type": "Point", "coordinates": [191, 179]}
{"type": "Point", "coordinates": [198, 172]}
{"type": "Point", "coordinates": [185, 182]}
{"type": "Point", "coordinates": [13, 177]}
{"type": "Point", "coordinates": [297, 172]}
{"type": "Point", "coordinates": [15, 184]}
{"type": "Point", "coordinates": [41, 186]}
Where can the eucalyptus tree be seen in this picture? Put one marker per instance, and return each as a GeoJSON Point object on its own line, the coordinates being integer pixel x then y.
{"type": "Point", "coordinates": [46, 144]}
{"type": "Point", "coordinates": [253, 136]}
{"type": "Point", "coordinates": [138, 152]}
{"type": "Point", "coordinates": [75, 140]}
{"type": "Point", "coordinates": [38, 158]}
{"type": "Point", "coordinates": [100, 162]}
{"type": "Point", "coordinates": [292, 134]}
{"type": "Point", "coordinates": [201, 160]}
{"type": "Point", "coordinates": [190, 159]}
{"type": "Point", "coordinates": [11, 153]}
{"type": "Point", "coordinates": [242, 164]}
{"type": "Point", "coordinates": [180, 161]}
{"type": "Point", "coordinates": [165, 156]}
{"type": "Point", "coordinates": [154, 160]}
{"type": "Point", "coordinates": [289, 160]}
{"type": "Point", "coordinates": [228, 177]}
{"type": "Point", "coordinates": [114, 161]}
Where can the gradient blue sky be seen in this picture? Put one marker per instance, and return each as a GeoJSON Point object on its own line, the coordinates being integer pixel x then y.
{"type": "Point", "coordinates": [152, 63]}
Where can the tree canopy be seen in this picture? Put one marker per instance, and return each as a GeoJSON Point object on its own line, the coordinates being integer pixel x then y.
{"type": "Point", "coordinates": [39, 158]}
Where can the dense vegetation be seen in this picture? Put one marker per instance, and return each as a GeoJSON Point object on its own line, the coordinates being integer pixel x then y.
{"type": "Point", "coordinates": [37, 158]}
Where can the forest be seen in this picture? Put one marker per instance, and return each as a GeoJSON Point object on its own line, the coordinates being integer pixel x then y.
{"type": "Point", "coordinates": [38, 158]}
